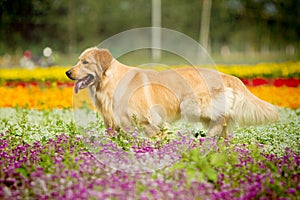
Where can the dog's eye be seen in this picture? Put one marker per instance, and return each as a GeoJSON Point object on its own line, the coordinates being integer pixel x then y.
{"type": "Point", "coordinates": [85, 62]}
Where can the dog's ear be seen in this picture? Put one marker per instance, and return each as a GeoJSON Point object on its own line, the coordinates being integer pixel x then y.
{"type": "Point", "coordinates": [104, 58]}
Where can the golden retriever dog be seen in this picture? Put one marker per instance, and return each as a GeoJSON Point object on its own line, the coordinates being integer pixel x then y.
{"type": "Point", "coordinates": [126, 96]}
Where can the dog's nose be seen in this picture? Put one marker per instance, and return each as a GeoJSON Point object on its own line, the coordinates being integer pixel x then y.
{"type": "Point", "coordinates": [68, 73]}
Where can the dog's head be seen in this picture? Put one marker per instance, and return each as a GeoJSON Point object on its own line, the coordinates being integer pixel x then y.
{"type": "Point", "coordinates": [92, 64]}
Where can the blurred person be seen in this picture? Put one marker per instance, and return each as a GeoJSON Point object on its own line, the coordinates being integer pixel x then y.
{"type": "Point", "coordinates": [27, 60]}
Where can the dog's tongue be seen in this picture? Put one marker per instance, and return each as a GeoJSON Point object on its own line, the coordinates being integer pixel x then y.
{"type": "Point", "coordinates": [77, 86]}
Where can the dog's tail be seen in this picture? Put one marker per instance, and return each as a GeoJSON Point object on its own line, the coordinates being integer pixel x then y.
{"type": "Point", "coordinates": [250, 110]}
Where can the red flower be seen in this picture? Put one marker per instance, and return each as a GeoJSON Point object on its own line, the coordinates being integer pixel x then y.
{"type": "Point", "coordinates": [291, 82]}
{"type": "Point", "coordinates": [259, 81]}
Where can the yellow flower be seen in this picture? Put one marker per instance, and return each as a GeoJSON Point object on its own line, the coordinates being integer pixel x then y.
{"type": "Point", "coordinates": [57, 73]}
{"type": "Point", "coordinates": [38, 74]}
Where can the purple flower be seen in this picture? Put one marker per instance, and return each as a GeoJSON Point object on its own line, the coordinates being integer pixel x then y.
{"type": "Point", "coordinates": [291, 191]}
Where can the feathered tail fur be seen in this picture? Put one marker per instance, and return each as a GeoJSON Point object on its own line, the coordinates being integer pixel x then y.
{"type": "Point", "coordinates": [250, 110]}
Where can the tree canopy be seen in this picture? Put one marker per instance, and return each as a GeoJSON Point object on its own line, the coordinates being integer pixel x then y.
{"type": "Point", "coordinates": [71, 25]}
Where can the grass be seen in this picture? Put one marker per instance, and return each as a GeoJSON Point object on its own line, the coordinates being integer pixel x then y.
{"type": "Point", "coordinates": [49, 154]}
{"type": "Point", "coordinates": [33, 125]}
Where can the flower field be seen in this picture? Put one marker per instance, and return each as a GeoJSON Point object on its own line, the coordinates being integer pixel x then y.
{"type": "Point", "coordinates": [37, 97]}
{"type": "Point", "coordinates": [44, 153]}
{"type": "Point", "coordinates": [263, 70]}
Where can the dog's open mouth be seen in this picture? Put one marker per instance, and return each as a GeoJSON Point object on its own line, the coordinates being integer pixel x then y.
{"type": "Point", "coordinates": [83, 83]}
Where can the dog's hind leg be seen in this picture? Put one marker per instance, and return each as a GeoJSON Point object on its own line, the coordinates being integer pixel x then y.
{"type": "Point", "coordinates": [228, 127]}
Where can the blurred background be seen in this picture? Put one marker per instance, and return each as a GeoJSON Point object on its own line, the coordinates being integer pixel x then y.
{"type": "Point", "coordinates": [54, 32]}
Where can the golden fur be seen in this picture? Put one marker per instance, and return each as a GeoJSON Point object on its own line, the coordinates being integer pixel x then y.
{"type": "Point", "coordinates": [124, 95]}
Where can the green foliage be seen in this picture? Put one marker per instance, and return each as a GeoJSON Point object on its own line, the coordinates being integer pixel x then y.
{"type": "Point", "coordinates": [23, 170]}
{"type": "Point", "coordinates": [202, 166]}
{"type": "Point", "coordinates": [34, 24]}
{"type": "Point", "coordinates": [30, 125]}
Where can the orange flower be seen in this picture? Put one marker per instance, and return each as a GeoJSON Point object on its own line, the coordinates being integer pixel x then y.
{"type": "Point", "coordinates": [55, 97]}
{"type": "Point", "coordinates": [280, 96]}
{"type": "Point", "coordinates": [36, 97]}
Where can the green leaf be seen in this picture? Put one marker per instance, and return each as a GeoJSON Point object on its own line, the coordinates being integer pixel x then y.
{"type": "Point", "coordinates": [23, 171]}
{"type": "Point", "coordinates": [178, 166]}
{"type": "Point", "coordinates": [211, 174]}
{"type": "Point", "coordinates": [195, 155]}
{"type": "Point", "coordinates": [218, 159]}
{"type": "Point", "coordinates": [190, 175]}
{"type": "Point", "coordinates": [233, 159]}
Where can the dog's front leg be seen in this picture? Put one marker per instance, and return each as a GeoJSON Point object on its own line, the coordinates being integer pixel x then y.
{"type": "Point", "coordinates": [217, 128]}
